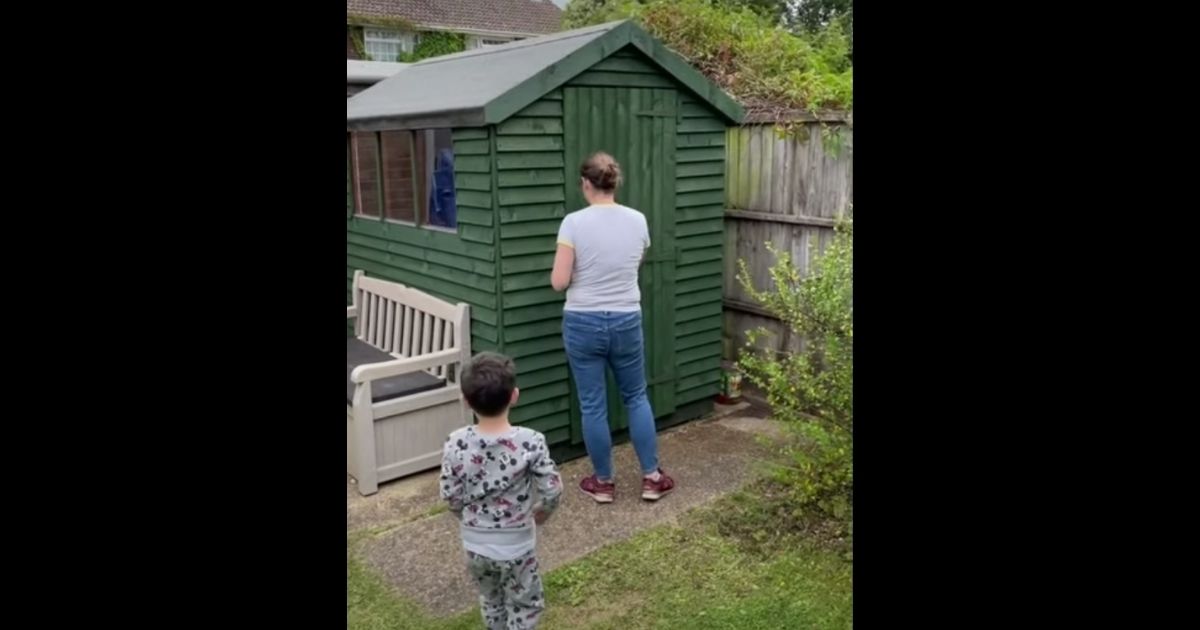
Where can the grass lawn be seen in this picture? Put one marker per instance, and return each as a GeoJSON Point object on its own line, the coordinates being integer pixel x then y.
{"type": "Point", "coordinates": [721, 566]}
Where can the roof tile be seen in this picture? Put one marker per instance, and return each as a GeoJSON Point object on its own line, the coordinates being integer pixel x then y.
{"type": "Point", "coordinates": [504, 16]}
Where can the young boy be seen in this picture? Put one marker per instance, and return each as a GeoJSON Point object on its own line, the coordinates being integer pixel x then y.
{"type": "Point", "coordinates": [489, 471]}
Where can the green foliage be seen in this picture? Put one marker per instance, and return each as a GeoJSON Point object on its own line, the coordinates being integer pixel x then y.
{"type": "Point", "coordinates": [371, 604]}
{"type": "Point", "coordinates": [811, 389]}
{"type": "Point", "coordinates": [360, 46]}
{"type": "Point", "coordinates": [774, 10]}
{"type": "Point", "coordinates": [700, 573]}
{"type": "Point", "coordinates": [744, 51]}
{"type": "Point", "coordinates": [429, 44]}
{"type": "Point", "coordinates": [814, 15]}
{"type": "Point", "coordinates": [581, 13]}
{"type": "Point", "coordinates": [436, 44]}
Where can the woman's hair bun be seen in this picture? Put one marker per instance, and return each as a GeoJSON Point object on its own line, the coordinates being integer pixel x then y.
{"type": "Point", "coordinates": [602, 171]}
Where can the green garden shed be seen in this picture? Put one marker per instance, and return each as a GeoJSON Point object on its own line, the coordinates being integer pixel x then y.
{"type": "Point", "coordinates": [460, 169]}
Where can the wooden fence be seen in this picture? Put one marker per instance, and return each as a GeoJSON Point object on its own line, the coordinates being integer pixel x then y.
{"type": "Point", "coordinates": [788, 191]}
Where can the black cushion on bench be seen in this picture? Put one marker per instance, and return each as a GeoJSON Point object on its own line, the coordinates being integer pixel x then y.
{"type": "Point", "coordinates": [360, 353]}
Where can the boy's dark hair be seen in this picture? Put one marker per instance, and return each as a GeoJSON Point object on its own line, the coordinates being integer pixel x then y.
{"type": "Point", "coordinates": [488, 381]}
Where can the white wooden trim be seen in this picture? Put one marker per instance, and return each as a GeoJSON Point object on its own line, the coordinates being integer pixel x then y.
{"type": "Point", "coordinates": [414, 402]}
{"type": "Point", "coordinates": [420, 462]}
{"type": "Point", "coordinates": [478, 31]}
{"type": "Point", "coordinates": [462, 340]}
{"type": "Point", "coordinates": [369, 300]}
{"type": "Point", "coordinates": [423, 333]}
{"type": "Point", "coordinates": [439, 345]}
{"type": "Point", "coordinates": [356, 297]}
{"type": "Point", "coordinates": [462, 332]}
{"type": "Point", "coordinates": [388, 325]}
{"type": "Point", "coordinates": [409, 296]}
{"type": "Point", "coordinates": [366, 473]}
{"type": "Point", "coordinates": [409, 316]}
{"type": "Point", "coordinates": [376, 371]}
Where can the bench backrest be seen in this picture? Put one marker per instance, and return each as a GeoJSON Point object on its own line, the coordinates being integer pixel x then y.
{"type": "Point", "coordinates": [407, 322]}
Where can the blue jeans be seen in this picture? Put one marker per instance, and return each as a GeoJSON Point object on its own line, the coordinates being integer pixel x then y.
{"type": "Point", "coordinates": [594, 340]}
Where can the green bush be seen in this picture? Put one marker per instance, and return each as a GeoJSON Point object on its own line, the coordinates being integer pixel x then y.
{"type": "Point", "coordinates": [435, 44]}
{"type": "Point", "coordinates": [811, 389]}
{"type": "Point", "coordinates": [762, 64]}
{"type": "Point", "coordinates": [581, 13]}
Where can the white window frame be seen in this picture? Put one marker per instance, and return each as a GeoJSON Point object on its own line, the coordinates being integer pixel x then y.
{"type": "Point", "coordinates": [404, 41]}
{"type": "Point", "coordinates": [483, 41]}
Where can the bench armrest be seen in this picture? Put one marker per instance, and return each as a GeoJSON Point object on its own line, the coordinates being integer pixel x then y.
{"type": "Point", "coordinates": [376, 371]}
{"type": "Point", "coordinates": [351, 312]}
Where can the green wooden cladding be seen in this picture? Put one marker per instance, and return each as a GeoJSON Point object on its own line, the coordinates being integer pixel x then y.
{"type": "Point", "coordinates": [515, 182]}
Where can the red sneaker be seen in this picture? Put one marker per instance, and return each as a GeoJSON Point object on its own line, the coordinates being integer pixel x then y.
{"type": "Point", "coordinates": [601, 491]}
{"type": "Point", "coordinates": [655, 490]}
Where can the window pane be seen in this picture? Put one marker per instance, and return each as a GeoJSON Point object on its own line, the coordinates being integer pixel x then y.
{"type": "Point", "coordinates": [398, 188]}
{"type": "Point", "coordinates": [380, 51]}
{"type": "Point", "coordinates": [367, 176]}
{"type": "Point", "coordinates": [421, 171]}
{"type": "Point", "coordinates": [384, 45]}
{"type": "Point", "coordinates": [441, 208]}
{"type": "Point", "coordinates": [379, 34]}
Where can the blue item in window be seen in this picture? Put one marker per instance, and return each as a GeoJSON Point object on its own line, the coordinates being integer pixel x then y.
{"type": "Point", "coordinates": [443, 211]}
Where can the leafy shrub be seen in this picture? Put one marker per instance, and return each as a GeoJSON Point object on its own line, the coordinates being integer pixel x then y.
{"type": "Point", "coordinates": [811, 389]}
{"type": "Point", "coordinates": [435, 44]}
{"type": "Point", "coordinates": [762, 64]}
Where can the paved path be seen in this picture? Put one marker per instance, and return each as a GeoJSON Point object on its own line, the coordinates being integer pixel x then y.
{"type": "Point", "coordinates": [417, 550]}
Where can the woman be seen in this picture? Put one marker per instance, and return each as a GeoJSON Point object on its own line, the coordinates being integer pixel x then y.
{"type": "Point", "coordinates": [600, 249]}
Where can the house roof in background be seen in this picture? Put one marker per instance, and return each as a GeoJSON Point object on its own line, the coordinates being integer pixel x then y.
{"type": "Point", "coordinates": [519, 17]}
{"type": "Point", "coordinates": [488, 85]}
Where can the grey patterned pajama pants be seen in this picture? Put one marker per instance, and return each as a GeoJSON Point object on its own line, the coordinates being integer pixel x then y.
{"type": "Point", "coordinates": [510, 591]}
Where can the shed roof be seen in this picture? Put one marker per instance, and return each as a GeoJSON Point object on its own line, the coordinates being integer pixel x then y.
{"type": "Point", "coordinates": [486, 86]}
{"type": "Point", "coordinates": [369, 72]}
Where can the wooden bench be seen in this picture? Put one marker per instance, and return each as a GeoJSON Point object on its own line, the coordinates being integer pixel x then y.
{"type": "Point", "coordinates": [402, 391]}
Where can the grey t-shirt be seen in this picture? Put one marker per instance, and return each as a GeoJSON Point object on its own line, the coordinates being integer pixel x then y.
{"type": "Point", "coordinates": [609, 242]}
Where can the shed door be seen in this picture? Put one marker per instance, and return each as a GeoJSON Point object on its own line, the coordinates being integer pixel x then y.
{"type": "Point", "coordinates": [637, 127]}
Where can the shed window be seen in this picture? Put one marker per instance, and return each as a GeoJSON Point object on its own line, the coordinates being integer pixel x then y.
{"type": "Point", "coordinates": [417, 184]}
{"type": "Point", "coordinates": [386, 45]}
{"type": "Point", "coordinates": [366, 173]}
{"type": "Point", "coordinates": [398, 176]}
{"type": "Point", "coordinates": [440, 208]}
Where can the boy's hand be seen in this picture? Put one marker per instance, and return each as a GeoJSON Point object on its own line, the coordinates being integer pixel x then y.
{"type": "Point", "coordinates": [540, 517]}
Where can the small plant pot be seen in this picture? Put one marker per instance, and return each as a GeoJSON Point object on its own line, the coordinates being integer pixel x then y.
{"type": "Point", "coordinates": [731, 387]}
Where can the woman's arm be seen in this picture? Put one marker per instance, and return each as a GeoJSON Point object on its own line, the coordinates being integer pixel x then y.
{"type": "Point", "coordinates": [564, 263]}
